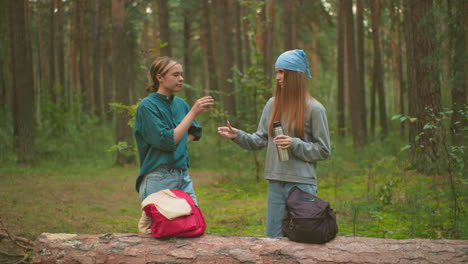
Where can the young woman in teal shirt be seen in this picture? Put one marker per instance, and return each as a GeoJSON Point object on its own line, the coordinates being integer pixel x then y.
{"type": "Point", "coordinates": [164, 124]}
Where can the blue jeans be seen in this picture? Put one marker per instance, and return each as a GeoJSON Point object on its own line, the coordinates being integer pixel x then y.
{"type": "Point", "coordinates": [276, 205]}
{"type": "Point", "coordinates": [167, 178]}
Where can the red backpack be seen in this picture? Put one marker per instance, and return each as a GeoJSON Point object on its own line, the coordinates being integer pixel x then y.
{"type": "Point", "coordinates": [183, 226]}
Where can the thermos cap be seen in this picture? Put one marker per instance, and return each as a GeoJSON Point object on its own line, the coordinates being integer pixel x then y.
{"type": "Point", "coordinates": [276, 124]}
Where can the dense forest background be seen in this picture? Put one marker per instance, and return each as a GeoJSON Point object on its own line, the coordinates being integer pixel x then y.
{"type": "Point", "coordinates": [390, 73]}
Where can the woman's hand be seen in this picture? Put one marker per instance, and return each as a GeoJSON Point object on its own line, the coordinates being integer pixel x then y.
{"type": "Point", "coordinates": [198, 107]}
{"type": "Point", "coordinates": [202, 105]}
{"type": "Point", "coordinates": [283, 141]}
{"type": "Point", "coordinates": [227, 131]}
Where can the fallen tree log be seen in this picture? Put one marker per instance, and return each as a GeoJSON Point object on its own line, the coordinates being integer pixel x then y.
{"type": "Point", "coordinates": [140, 248]}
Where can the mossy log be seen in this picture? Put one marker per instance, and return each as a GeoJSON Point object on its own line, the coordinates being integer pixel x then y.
{"type": "Point", "coordinates": [139, 248]}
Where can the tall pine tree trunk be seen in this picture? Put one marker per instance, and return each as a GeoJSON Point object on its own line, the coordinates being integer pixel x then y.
{"type": "Point", "coordinates": [269, 44]}
{"type": "Point", "coordinates": [97, 63]}
{"type": "Point", "coordinates": [207, 47]}
{"type": "Point", "coordinates": [60, 44]}
{"type": "Point", "coordinates": [356, 99]}
{"type": "Point", "coordinates": [377, 75]}
{"type": "Point", "coordinates": [4, 102]}
{"type": "Point", "coordinates": [41, 69]}
{"type": "Point", "coordinates": [289, 15]}
{"type": "Point", "coordinates": [119, 61]}
{"type": "Point", "coordinates": [394, 58]}
{"type": "Point", "coordinates": [84, 58]}
{"type": "Point", "coordinates": [189, 91]}
{"type": "Point", "coordinates": [397, 63]}
{"type": "Point", "coordinates": [360, 65]}
{"type": "Point", "coordinates": [52, 51]}
{"type": "Point", "coordinates": [145, 32]}
{"type": "Point", "coordinates": [238, 54]}
{"type": "Point", "coordinates": [424, 89]}
{"type": "Point", "coordinates": [314, 57]}
{"type": "Point", "coordinates": [155, 39]}
{"type": "Point", "coordinates": [458, 53]}
{"type": "Point", "coordinates": [23, 81]}
{"type": "Point", "coordinates": [106, 59]}
{"type": "Point", "coordinates": [74, 52]}
{"type": "Point", "coordinates": [226, 55]}
{"type": "Point", "coordinates": [165, 36]}
{"type": "Point", "coordinates": [340, 64]}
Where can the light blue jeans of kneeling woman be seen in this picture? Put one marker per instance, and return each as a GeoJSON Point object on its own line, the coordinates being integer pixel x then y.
{"type": "Point", "coordinates": [167, 178]}
{"type": "Point", "coordinates": [276, 205]}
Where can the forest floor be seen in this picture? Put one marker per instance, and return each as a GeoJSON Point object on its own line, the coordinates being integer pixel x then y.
{"type": "Point", "coordinates": [373, 194]}
{"type": "Point", "coordinates": [32, 204]}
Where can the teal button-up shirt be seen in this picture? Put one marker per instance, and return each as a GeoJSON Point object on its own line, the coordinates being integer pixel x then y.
{"type": "Point", "coordinates": [156, 118]}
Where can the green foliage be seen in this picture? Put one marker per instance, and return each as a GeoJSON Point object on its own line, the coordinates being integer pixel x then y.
{"type": "Point", "coordinates": [130, 110]}
{"type": "Point", "coordinates": [370, 189]}
{"type": "Point", "coordinates": [450, 164]}
{"type": "Point", "coordinates": [451, 156]}
{"type": "Point", "coordinates": [124, 147]}
{"type": "Point", "coordinates": [66, 138]}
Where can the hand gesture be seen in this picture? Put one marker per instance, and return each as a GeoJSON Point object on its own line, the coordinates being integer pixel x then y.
{"type": "Point", "coordinates": [227, 131]}
{"type": "Point", "coordinates": [202, 105]}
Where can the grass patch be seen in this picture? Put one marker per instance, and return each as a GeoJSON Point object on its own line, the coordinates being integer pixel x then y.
{"type": "Point", "coordinates": [234, 209]}
{"type": "Point", "coordinates": [371, 189]}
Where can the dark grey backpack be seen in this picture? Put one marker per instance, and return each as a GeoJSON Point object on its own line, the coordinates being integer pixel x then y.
{"type": "Point", "coordinates": [308, 218]}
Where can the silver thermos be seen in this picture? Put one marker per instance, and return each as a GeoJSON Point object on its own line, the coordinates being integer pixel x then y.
{"type": "Point", "coordinates": [283, 154]}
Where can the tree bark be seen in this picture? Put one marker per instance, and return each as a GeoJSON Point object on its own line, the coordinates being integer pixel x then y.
{"type": "Point", "coordinates": [139, 248]}
{"type": "Point", "coordinates": [189, 91]}
{"type": "Point", "coordinates": [314, 57]}
{"type": "Point", "coordinates": [207, 47]}
{"type": "Point", "coordinates": [145, 32]}
{"type": "Point", "coordinates": [23, 82]}
{"type": "Point", "coordinates": [457, 45]}
{"type": "Point", "coordinates": [356, 98]}
{"type": "Point", "coordinates": [397, 64]}
{"type": "Point", "coordinates": [289, 15]}
{"type": "Point", "coordinates": [238, 52]}
{"type": "Point", "coordinates": [360, 67]}
{"type": "Point", "coordinates": [59, 44]}
{"type": "Point", "coordinates": [40, 50]}
{"type": "Point", "coordinates": [269, 44]}
{"type": "Point", "coordinates": [97, 63]}
{"type": "Point", "coordinates": [424, 92]}
{"type": "Point", "coordinates": [377, 74]}
{"type": "Point", "coordinates": [403, 90]}
{"type": "Point", "coordinates": [340, 64]}
{"type": "Point", "coordinates": [120, 60]}
{"type": "Point", "coordinates": [84, 63]}
{"type": "Point", "coordinates": [3, 84]}
{"type": "Point", "coordinates": [52, 51]}
{"type": "Point", "coordinates": [107, 73]}
{"type": "Point", "coordinates": [155, 40]}
{"type": "Point", "coordinates": [226, 55]}
{"type": "Point", "coordinates": [73, 51]}
{"type": "Point", "coordinates": [246, 51]}
{"type": "Point", "coordinates": [165, 37]}
{"type": "Point", "coordinates": [260, 30]}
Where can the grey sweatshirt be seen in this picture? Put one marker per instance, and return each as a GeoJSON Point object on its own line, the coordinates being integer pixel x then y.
{"type": "Point", "coordinates": [303, 154]}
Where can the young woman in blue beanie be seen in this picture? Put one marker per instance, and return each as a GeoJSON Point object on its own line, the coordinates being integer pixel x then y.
{"type": "Point", "coordinates": [306, 136]}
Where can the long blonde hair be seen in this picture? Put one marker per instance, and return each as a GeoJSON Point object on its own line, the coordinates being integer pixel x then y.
{"type": "Point", "coordinates": [289, 105]}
